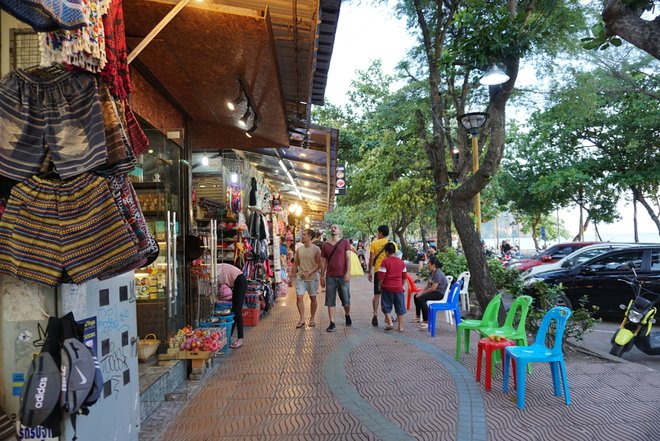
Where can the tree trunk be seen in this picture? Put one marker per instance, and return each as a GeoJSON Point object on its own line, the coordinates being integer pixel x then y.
{"type": "Point", "coordinates": [649, 209]}
{"type": "Point", "coordinates": [443, 221]}
{"type": "Point", "coordinates": [625, 22]}
{"type": "Point", "coordinates": [401, 234]}
{"type": "Point", "coordinates": [484, 287]}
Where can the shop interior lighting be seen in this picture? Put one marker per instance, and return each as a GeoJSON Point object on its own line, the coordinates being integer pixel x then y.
{"type": "Point", "coordinates": [205, 160]}
{"type": "Point", "coordinates": [244, 119]}
{"type": "Point", "coordinates": [494, 76]}
{"type": "Point", "coordinates": [252, 129]}
{"type": "Point", "coordinates": [234, 178]}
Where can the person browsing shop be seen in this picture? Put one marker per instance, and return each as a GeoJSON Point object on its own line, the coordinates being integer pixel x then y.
{"type": "Point", "coordinates": [306, 265]}
{"type": "Point", "coordinates": [435, 290]}
{"type": "Point", "coordinates": [390, 276]}
{"type": "Point", "coordinates": [376, 257]}
{"type": "Point", "coordinates": [335, 275]}
{"type": "Point", "coordinates": [235, 279]}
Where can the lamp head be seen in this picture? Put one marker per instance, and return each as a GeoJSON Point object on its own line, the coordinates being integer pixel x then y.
{"type": "Point", "coordinates": [494, 76]}
{"type": "Point", "coordinates": [474, 121]}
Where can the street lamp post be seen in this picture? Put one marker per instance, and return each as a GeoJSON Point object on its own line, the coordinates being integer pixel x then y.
{"type": "Point", "coordinates": [473, 122]}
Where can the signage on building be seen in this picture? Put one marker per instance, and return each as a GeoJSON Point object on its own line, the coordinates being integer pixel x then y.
{"type": "Point", "coordinates": [340, 183]}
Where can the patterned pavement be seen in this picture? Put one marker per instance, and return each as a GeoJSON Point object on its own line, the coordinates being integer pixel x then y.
{"type": "Point", "coordinates": [362, 383]}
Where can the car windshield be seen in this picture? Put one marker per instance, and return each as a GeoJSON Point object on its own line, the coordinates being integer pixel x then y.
{"type": "Point", "coordinates": [583, 257]}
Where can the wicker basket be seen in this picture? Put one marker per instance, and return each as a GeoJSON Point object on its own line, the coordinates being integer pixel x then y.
{"type": "Point", "coordinates": [147, 347]}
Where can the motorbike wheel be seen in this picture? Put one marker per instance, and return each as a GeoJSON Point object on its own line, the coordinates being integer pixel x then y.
{"type": "Point", "coordinates": [617, 350]}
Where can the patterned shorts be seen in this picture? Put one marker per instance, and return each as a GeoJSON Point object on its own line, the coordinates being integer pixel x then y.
{"type": "Point", "coordinates": [60, 114]}
{"type": "Point", "coordinates": [55, 230]}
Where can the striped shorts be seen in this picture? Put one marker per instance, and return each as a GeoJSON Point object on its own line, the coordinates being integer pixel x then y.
{"type": "Point", "coordinates": [52, 231]}
{"type": "Point", "coordinates": [60, 114]}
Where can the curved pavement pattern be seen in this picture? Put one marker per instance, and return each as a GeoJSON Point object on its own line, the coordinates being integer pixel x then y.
{"type": "Point", "coordinates": [361, 383]}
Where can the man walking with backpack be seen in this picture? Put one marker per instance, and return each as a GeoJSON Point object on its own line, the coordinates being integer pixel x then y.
{"type": "Point", "coordinates": [335, 275]}
{"type": "Point", "coordinates": [376, 257]}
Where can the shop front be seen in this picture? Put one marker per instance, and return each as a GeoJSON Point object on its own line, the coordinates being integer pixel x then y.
{"type": "Point", "coordinates": [209, 186]}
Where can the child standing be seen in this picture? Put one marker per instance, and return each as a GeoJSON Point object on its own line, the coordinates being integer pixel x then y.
{"type": "Point", "coordinates": [390, 276]}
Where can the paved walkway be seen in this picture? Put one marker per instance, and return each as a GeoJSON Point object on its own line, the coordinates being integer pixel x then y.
{"type": "Point", "coordinates": [362, 383]}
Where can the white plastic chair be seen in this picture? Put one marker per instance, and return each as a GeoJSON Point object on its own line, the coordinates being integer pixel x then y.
{"type": "Point", "coordinates": [449, 317]}
{"type": "Point", "coordinates": [465, 298]}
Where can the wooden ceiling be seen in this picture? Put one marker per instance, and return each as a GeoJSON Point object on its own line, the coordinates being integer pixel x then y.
{"type": "Point", "coordinates": [280, 50]}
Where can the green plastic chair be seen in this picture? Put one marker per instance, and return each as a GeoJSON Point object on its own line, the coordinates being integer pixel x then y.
{"type": "Point", "coordinates": [518, 334]}
{"type": "Point", "coordinates": [488, 319]}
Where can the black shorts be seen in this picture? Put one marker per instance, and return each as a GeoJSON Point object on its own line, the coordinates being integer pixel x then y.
{"type": "Point", "coordinates": [376, 284]}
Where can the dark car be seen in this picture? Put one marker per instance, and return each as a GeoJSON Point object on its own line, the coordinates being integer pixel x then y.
{"type": "Point", "coordinates": [552, 254]}
{"type": "Point", "coordinates": [599, 278]}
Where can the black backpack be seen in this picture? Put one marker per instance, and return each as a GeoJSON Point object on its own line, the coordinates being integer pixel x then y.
{"type": "Point", "coordinates": [41, 392]}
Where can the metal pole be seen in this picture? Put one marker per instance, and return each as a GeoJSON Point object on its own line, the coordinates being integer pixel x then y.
{"type": "Point", "coordinates": [477, 198]}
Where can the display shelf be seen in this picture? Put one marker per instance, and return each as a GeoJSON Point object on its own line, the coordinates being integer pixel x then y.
{"type": "Point", "coordinates": [152, 185]}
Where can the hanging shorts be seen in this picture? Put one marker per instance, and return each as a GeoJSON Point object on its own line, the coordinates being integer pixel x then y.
{"type": "Point", "coordinates": [55, 230]}
{"type": "Point", "coordinates": [55, 112]}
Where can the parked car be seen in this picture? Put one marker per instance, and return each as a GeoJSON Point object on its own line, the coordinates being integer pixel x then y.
{"type": "Point", "coordinates": [552, 254]}
{"type": "Point", "coordinates": [600, 278]}
{"type": "Point", "coordinates": [581, 255]}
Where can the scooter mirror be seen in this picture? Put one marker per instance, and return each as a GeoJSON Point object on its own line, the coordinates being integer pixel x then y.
{"type": "Point", "coordinates": [622, 306]}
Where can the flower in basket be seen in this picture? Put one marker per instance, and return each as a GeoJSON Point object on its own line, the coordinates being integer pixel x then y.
{"type": "Point", "coordinates": [188, 339]}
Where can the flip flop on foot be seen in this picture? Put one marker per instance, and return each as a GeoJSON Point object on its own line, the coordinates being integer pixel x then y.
{"type": "Point", "coordinates": [389, 328]}
{"type": "Point", "coordinates": [236, 345]}
{"type": "Point", "coordinates": [300, 325]}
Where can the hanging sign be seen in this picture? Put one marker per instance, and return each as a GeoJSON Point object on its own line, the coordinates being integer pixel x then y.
{"type": "Point", "coordinates": [340, 183]}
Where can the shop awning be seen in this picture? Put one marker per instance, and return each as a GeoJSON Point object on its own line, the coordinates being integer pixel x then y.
{"type": "Point", "coordinates": [279, 50]}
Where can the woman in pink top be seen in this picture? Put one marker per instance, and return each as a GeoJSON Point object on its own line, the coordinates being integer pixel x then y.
{"type": "Point", "coordinates": [233, 277]}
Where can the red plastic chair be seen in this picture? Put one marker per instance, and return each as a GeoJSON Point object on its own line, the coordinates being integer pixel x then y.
{"type": "Point", "coordinates": [412, 288]}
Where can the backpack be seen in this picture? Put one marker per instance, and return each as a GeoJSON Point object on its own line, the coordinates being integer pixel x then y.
{"type": "Point", "coordinates": [41, 392]}
{"type": "Point", "coordinates": [97, 385]}
{"type": "Point", "coordinates": [77, 368]}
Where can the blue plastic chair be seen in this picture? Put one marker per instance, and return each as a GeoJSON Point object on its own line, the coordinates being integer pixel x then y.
{"type": "Point", "coordinates": [539, 352]}
{"type": "Point", "coordinates": [451, 305]}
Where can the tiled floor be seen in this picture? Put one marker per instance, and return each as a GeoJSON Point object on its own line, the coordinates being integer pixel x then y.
{"type": "Point", "coordinates": [362, 383]}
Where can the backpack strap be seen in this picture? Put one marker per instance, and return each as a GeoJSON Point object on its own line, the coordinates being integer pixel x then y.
{"type": "Point", "coordinates": [335, 249]}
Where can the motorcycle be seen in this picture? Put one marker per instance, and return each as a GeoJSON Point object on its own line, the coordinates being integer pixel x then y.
{"type": "Point", "coordinates": [639, 317]}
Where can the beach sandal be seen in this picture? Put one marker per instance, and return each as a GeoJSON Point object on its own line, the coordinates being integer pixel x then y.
{"type": "Point", "coordinates": [400, 330]}
{"type": "Point", "coordinates": [311, 324]}
{"type": "Point", "coordinates": [236, 345]}
{"type": "Point", "coordinates": [300, 325]}
{"type": "Point", "coordinates": [415, 320]}
{"type": "Point", "coordinates": [389, 327]}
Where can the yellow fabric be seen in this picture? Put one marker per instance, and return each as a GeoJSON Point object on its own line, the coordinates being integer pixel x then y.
{"type": "Point", "coordinates": [356, 268]}
{"type": "Point", "coordinates": [375, 248]}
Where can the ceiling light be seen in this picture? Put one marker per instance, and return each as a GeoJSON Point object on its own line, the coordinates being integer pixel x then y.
{"type": "Point", "coordinates": [299, 210]}
{"type": "Point", "coordinates": [244, 119]}
{"type": "Point", "coordinates": [205, 160]}
{"type": "Point", "coordinates": [494, 76]}
{"type": "Point", "coordinates": [307, 166]}
{"type": "Point", "coordinates": [234, 178]}
{"type": "Point", "coordinates": [304, 155]}
{"type": "Point", "coordinates": [252, 129]}
{"type": "Point", "coordinates": [306, 183]}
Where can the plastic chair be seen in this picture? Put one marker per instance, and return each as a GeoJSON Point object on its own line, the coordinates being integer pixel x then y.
{"type": "Point", "coordinates": [488, 319]}
{"type": "Point", "coordinates": [518, 334]}
{"type": "Point", "coordinates": [450, 306]}
{"type": "Point", "coordinates": [465, 296]}
{"type": "Point", "coordinates": [412, 288]}
{"type": "Point", "coordinates": [488, 346]}
{"type": "Point", "coordinates": [448, 317]}
{"type": "Point", "coordinates": [539, 352]}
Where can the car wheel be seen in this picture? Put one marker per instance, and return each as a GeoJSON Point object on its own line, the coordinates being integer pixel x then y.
{"type": "Point", "coordinates": [564, 301]}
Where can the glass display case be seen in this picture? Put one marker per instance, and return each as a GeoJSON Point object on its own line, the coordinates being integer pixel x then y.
{"type": "Point", "coordinates": [159, 287]}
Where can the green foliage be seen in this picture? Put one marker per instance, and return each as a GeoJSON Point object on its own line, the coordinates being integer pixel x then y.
{"type": "Point", "coordinates": [600, 40]}
{"type": "Point", "coordinates": [453, 263]}
{"type": "Point", "coordinates": [506, 279]}
{"type": "Point", "coordinates": [545, 298]}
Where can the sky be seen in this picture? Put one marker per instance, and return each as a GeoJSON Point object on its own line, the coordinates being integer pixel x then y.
{"type": "Point", "coordinates": [366, 33]}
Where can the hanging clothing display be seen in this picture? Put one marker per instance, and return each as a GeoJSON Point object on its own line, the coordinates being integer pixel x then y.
{"type": "Point", "coordinates": [115, 73]}
{"type": "Point", "coordinates": [47, 15]}
{"type": "Point", "coordinates": [83, 47]}
{"type": "Point", "coordinates": [253, 192]}
{"type": "Point", "coordinates": [62, 109]}
{"type": "Point", "coordinates": [54, 229]}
